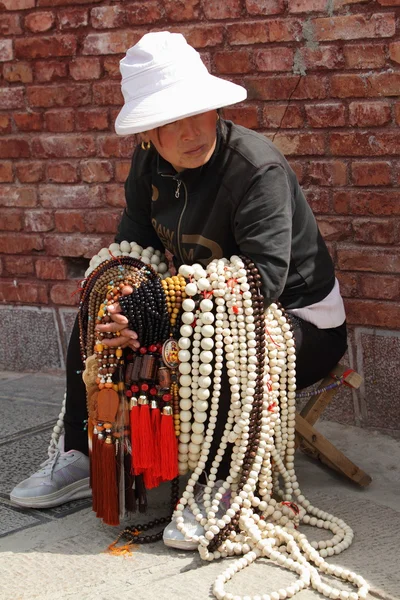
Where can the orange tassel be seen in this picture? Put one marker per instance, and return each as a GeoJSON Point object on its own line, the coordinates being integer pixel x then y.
{"type": "Point", "coordinates": [109, 484]}
{"type": "Point", "coordinates": [169, 446]}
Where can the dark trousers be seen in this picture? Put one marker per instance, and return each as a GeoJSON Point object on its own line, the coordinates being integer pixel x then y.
{"type": "Point", "coordinates": [317, 352]}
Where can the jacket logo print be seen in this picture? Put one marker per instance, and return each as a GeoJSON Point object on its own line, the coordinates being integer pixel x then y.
{"type": "Point", "coordinates": [166, 236]}
{"type": "Point", "coordinates": [215, 250]}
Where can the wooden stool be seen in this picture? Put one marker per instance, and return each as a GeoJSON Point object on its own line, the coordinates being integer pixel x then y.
{"type": "Point", "coordinates": [312, 442]}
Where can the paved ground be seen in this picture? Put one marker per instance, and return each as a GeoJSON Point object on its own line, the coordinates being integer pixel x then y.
{"type": "Point", "coordinates": [59, 553]}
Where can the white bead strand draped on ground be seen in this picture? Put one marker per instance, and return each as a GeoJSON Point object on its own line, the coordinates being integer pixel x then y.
{"type": "Point", "coordinates": [222, 326]}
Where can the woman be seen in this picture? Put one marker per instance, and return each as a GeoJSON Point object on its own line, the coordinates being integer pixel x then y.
{"type": "Point", "coordinates": [203, 188]}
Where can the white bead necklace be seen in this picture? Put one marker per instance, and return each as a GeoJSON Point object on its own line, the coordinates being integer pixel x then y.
{"type": "Point", "coordinates": [148, 255]}
{"type": "Point", "coordinates": [271, 531]}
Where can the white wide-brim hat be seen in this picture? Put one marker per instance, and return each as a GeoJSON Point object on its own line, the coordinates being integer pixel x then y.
{"type": "Point", "coordinates": [164, 80]}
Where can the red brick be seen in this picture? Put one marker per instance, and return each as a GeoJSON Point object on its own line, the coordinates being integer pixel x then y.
{"type": "Point", "coordinates": [203, 36]}
{"type": "Point", "coordinates": [285, 30]}
{"type": "Point", "coordinates": [5, 124]}
{"type": "Point", "coordinates": [122, 169]}
{"type": "Point", "coordinates": [11, 220]}
{"type": "Point", "coordinates": [300, 144]}
{"type": "Point", "coordinates": [18, 266]}
{"type": "Point", "coordinates": [384, 84]}
{"type": "Point", "coordinates": [397, 112]}
{"type": "Point", "coordinates": [142, 13]}
{"type": "Point", "coordinates": [375, 231]}
{"type": "Point", "coordinates": [60, 121]}
{"type": "Point", "coordinates": [51, 268]}
{"type": "Point", "coordinates": [73, 196]}
{"type": "Point", "coordinates": [348, 283]}
{"type": "Point", "coordinates": [93, 119]}
{"type": "Point", "coordinates": [318, 200]}
{"type": "Point", "coordinates": [27, 293]}
{"type": "Point", "coordinates": [282, 115]}
{"type": "Point", "coordinates": [111, 66]}
{"type": "Point", "coordinates": [14, 148]}
{"type": "Point", "coordinates": [248, 32]}
{"type": "Point", "coordinates": [47, 96]}
{"type": "Point", "coordinates": [352, 27]}
{"type": "Point", "coordinates": [29, 172]}
{"type": "Point", "coordinates": [383, 287]}
{"type": "Point", "coordinates": [70, 221]}
{"type": "Point", "coordinates": [61, 172]}
{"type": "Point", "coordinates": [93, 171]}
{"type": "Point", "coordinates": [20, 71]}
{"type": "Point", "coordinates": [85, 68]}
{"type": "Point", "coordinates": [11, 97]}
{"type": "Point", "coordinates": [326, 115]}
{"type": "Point", "coordinates": [282, 87]}
{"type": "Point", "coordinates": [389, 2]}
{"type": "Point", "coordinates": [365, 144]}
{"type": "Point", "coordinates": [20, 244]}
{"type": "Point", "coordinates": [28, 121]}
{"type": "Point", "coordinates": [378, 84]}
{"type": "Point", "coordinates": [50, 71]}
{"type": "Point", "coordinates": [327, 173]}
{"type": "Point", "coordinates": [65, 293]}
{"type": "Point", "coordinates": [364, 114]}
{"type": "Point", "coordinates": [306, 6]}
{"type": "Point", "coordinates": [394, 51]}
{"type": "Point", "coordinates": [103, 221]}
{"type": "Point", "coordinates": [214, 9]}
{"type": "Point", "coordinates": [238, 61]}
{"type": "Point", "coordinates": [38, 220]}
{"type": "Point", "coordinates": [38, 22]}
{"type": "Point", "coordinates": [324, 57]}
{"type": "Point", "coordinates": [364, 56]}
{"type": "Point", "coordinates": [115, 195]}
{"type": "Point", "coordinates": [334, 229]}
{"type": "Point", "coordinates": [18, 4]}
{"type": "Point", "coordinates": [298, 167]}
{"type": "Point", "coordinates": [377, 260]}
{"type": "Point", "coordinates": [106, 17]}
{"type": "Point", "coordinates": [17, 196]}
{"type": "Point", "coordinates": [110, 42]}
{"type": "Point", "coordinates": [73, 18]}
{"type": "Point", "coordinates": [112, 146]}
{"type": "Point", "coordinates": [247, 116]}
{"type": "Point", "coordinates": [55, 3]}
{"type": "Point", "coordinates": [6, 173]}
{"type": "Point", "coordinates": [71, 146]}
{"type": "Point", "coordinates": [73, 245]}
{"type": "Point", "coordinates": [45, 46]}
{"type": "Point", "coordinates": [367, 203]}
{"type": "Point", "coordinates": [371, 173]}
{"type": "Point", "coordinates": [6, 50]}
{"type": "Point", "coordinates": [372, 313]}
{"type": "Point", "coordinates": [107, 92]}
{"type": "Point", "coordinates": [274, 59]}
{"type": "Point", "coordinates": [10, 24]}
{"type": "Point", "coordinates": [265, 7]}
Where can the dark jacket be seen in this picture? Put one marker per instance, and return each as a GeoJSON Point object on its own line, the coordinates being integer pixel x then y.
{"type": "Point", "coordinates": [245, 200]}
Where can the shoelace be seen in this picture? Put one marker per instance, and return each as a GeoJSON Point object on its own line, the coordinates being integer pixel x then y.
{"type": "Point", "coordinates": [49, 464]}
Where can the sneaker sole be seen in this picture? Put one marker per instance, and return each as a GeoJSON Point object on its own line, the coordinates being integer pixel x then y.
{"type": "Point", "coordinates": [74, 491]}
{"type": "Point", "coordinates": [180, 544]}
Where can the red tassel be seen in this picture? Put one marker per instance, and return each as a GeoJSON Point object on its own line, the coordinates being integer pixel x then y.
{"type": "Point", "coordinates": [134, 424]}
{"type": "Point", "coordinates": [97, 489]}
{"type": "Point", "coordinates": [169, 447]}
{"type": "Point", "coordinates": [146, 441]}
{"type": "Point", "coordinates": [152, 476]}
{"type": "Point", "coordinates": [109, 484]}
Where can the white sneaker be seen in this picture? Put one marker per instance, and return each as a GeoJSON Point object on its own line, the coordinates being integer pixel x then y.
{"type": "Point", "coordinates": [173, 538]}
{"type": "Point", "coordinates": [63, 477]}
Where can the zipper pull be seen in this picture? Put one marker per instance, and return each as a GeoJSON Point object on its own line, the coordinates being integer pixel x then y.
{"type": "Point", "coordinates": [178, 187]}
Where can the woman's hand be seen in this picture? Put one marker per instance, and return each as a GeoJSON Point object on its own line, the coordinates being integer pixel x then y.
{"type": "Point", "coordinates": [119, 324]}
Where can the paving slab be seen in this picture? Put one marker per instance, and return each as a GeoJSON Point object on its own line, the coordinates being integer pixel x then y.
{"type": "Point", "coordinates": [60, 553]}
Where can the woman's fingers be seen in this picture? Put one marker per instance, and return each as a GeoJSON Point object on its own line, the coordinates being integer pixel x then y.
{"type": "Point", "coordinates": [128, 336]}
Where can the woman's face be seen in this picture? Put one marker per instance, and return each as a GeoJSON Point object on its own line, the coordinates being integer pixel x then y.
{"type": "Point", "coordinates": [187, 143]}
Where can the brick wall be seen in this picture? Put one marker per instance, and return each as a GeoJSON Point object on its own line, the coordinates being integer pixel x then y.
{"type": "Point", "coordinates": [324, 81]}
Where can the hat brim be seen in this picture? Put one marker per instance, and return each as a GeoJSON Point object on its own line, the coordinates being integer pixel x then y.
{"type": "Point", "coordinates": [183, 99]}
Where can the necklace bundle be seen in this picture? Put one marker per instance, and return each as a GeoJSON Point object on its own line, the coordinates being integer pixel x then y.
{"type": "Point", "coordinates": [217, 314]}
